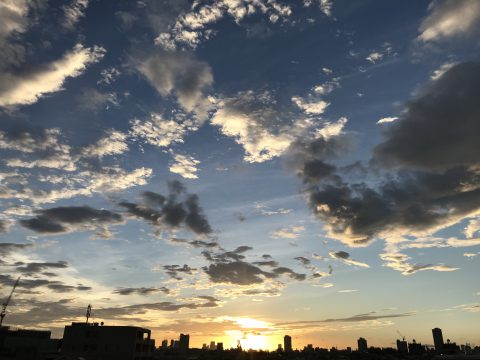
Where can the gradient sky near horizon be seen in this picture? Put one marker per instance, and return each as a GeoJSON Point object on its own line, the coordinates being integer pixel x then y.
{"type": "Point", "coordinates": [243, 169]}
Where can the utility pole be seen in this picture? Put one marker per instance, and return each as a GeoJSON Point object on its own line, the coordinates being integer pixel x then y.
{"type": "Point", "coordinates": [5, 304]}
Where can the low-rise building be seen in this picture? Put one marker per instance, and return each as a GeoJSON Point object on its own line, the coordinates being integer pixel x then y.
{"type": "Point", "coordinates": [94, 342]}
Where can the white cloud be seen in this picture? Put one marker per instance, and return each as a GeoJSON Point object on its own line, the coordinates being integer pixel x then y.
{"type": "Point", "coordinates": [185, 166]}
{"type": "Point", "coordinates": [387, 119]}
{"type": "Point", "coordinates": [399, 262]}
{"type": "Point", "coordinates": [472, 228]}
{"type": "Point", "coordinates": [442, 70]}
{"type": "Point", "coordinates": [108, 76]}
{"type": "Point", "coordinates": [27, 89]}
{"type": "Point", "coordinates": [449, 19]}
{"type": "Point", "coordinates": [470, 255]}
{"type": "Point", "coordinates": [374, 57]}
{"type": "Point", "coordinates": [330, 129]}
{"type": "Point", "coordinates": [113, 143]}
{"type": "Point", "coordinates": [315, 107]}
{"type": "Point", "coordinates": [291, 232]}
{"type": "Point", "coordinates": [192, 28]}
{"type": "Point", "coordinates": [160, 132]}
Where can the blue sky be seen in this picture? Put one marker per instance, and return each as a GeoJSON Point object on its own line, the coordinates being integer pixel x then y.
{"type": "Point", "coordinates": [236, 169]}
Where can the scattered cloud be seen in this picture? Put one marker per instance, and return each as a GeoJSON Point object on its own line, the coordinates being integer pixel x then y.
{"type": "Point", "coordinates": [291, 232]}
{"type": "Point", "coordinates": [26, 88]}
{"type": "Point", "coordinates": [386, 120]}
{"type": "Point", "coordinates": [450, 19]}
{"type": "Point", "coordinates": [185, 166]}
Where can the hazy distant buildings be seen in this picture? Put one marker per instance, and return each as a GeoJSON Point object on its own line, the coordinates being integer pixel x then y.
{"type": "Point", "coordinates": [94, 342]}
{"type": "Point", "coordinates": [287, 343]}
{"type": "Point", "coordinates": [438, 340]}
{"type": "Point", "coordinates": [362, 345]}
{"type": "Point", "coordinates": [212, 345]}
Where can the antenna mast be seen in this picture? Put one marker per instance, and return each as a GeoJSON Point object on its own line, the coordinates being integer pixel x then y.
{"type": "Point", "coordinates": [89, 311]}
{"type": "Point", "coordinates": [5, 304]}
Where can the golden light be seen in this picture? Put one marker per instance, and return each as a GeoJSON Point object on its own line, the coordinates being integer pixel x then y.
{"type": "Point", "coordinates": [255, 342]}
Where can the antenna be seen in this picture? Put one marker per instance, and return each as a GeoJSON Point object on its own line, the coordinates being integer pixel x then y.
{"type": "Point", "coordinates": [89, 311]}
{"type": "Point", "coordinates": [5, 304]}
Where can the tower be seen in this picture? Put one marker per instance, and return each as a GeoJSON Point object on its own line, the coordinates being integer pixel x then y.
{"type": "Point", "coordinates": [287, 343]}
{"type": "Point", "coordinates": [362, 345]}
{"type": "Point", "coordinates": [438, 340]}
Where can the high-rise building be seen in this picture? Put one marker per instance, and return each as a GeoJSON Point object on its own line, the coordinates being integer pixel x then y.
{"type": "Point", "coordinates": [212, 345]}
{"type": "Point", "coordinates": [362, 345]}
{"type": "Point", "coordinates": [164, 344]}
{"type": "Point", "coordinates": [287, 343]}
{"type": "Point", "coordinates": [402, 346]}
{"type": "Point", "coordinates": [438, 340]}
{"type": "Point", "coordinates": [219, 346]}
{"type": "Point", "coordinates": [183, 343]}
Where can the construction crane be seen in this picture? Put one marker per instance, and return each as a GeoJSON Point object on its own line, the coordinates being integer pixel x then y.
{"type": "Point", "coordinates": [5, 304]}
{"type": "Point", "coordinates": [399, 333]}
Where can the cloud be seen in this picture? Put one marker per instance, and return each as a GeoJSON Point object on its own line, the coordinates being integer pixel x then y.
{"type": "Point", "coordinates": [94, 100]}
{"type": "Point", "coordinates": [450, 19]}
{"type": "Point", "coordinates": [192, 28]}
{"type": "Point", "coordinates": [160, 132]}
{"type": "Point", "coordinates": [181, 74]}
{"type": "Point", "coordinates": [472, 228]}
{"type": "Point", "coordinates": [8, 248]}
{"type": "Point", "coordinates": [291, 232]}
{"type": "Point", "coordinates": [13, 22]}
{"type": "Point", "coordinates": [355, 318]}
{"type": "Point", "coordinates": [259, 123]}
{"type": "Point", "coordinates": [378, 55]}
{"type": "Point", "coordinates": [176, 209]}
{"type": "Point", "coordinates": [68, 218]}
{"type": "Point", "coordinates": [345, 258]}
{"type": "Point", "coordinates": [28, 87]}
{"type": "Point", "coordinates": [387, 120]}
{"type": "Point", "coordinates": [430, 179]}
{"type": "Point", "coordinates": [316, 107]}
{"type": "Point", "coordinates": [113, 143]}
{"type": "Point", "coordinates": [185, 166]}
{"type": "Point", "coordinates": [34, 268]}
{"type": "Point", "coordinates": [174, 270]}
{"type": "Point", "coordinates": [438, 73]}
{"type": "Point", "coordinates": [56, 286]}
{"type": "Point", "coordinates": [74, 12]}
{"type": "Point", "coordinates": [400, 262]}
{"type": "Point", "coordinates": [141, 290]}
{"type": "Point", "coordinates": [236, 272]}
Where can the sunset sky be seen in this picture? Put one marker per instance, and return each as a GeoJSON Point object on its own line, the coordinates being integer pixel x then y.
{"type": "Point", "coordinates": [242, 169]}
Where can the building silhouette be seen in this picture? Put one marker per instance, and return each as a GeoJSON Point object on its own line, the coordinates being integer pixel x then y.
{"type": "Point", "coordinates": [362, 345]}
{"type": "Point", "coordinates": [94, 342]}
{"type": "Point", "coordinates": [438, 340]}
{"type": "Point", "coordinates": [287, 343]}
{"type": "Point", "coordinates": [219, 346]}
{"type": "Point", "coordinates": [26, 344]}
{"type": "Point", "coordinates": [415, 348]}
{"type": "Point", "coordinates": [183, 344]}
{"type": "Point", "coordinates": [402, 346]}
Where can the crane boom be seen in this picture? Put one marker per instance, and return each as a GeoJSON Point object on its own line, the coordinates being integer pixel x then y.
{"type": "Point", "coordinates": [5, 304]}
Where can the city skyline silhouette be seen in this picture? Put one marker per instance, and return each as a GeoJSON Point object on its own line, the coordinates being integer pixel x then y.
{"type": "Point", "coordinates": [239, 171]}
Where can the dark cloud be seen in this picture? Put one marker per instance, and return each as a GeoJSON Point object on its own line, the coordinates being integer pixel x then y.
{"type": "Point", "coordinates": [270, 263]}
{"type": "Point", "coordinates": [355, 318]}
{"type": "Point", "coordinates": [174, 270]}
{"type": "Point", "coordinates": [340, 255]}
{"type": "Point", "coordinates": [34, 268]}
{"type": "Point", "coordinates": [430, 162]}
{"type": "Point", "coordinates": [236, 272]}
{"type": "Point", "coordinates": [62, 219]}
{"type": "Point", "coordinates": [141, 290]}
{"type": "Point", "coordinates": [289, 272]}
{"type": "Point", "coordinates": [8, 248]}
{"type": "Point", "coordinates": [3, 226]}
{"type": "Point", "coordinates": [176, 209]}
{"type": "Point", "coordinates": [29, 284]}
{"type": "Point", "coordinates": [303, 260]}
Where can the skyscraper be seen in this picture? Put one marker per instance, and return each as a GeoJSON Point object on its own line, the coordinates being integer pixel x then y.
{"type": "Point", "coordinates": [438, 340]}
{"type": "Point", "coordinates": [362, 345]}
{"type": "Point", "coordinates": [287, 343]}
{"type": "Point", "coordinates": [184, 343]}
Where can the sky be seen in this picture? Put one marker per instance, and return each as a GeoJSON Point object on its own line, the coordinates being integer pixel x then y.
{"type": "Point", "coordinates": [242, 169]}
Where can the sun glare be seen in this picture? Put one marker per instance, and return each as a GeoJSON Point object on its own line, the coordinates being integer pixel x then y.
{"type": "Point", "coordinates": [255, 342]}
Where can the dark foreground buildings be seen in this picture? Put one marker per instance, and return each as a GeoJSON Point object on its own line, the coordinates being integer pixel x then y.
{"type": "Point", "coordinates": [25, 344]}
{"type": "Point", "coordinates": [96, 342]}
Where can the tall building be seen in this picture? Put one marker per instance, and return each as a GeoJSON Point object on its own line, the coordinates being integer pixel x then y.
{"type": "Point", "coordinates": [362, 345]}
{"type": "Point", "coordinates": [95, 342]}
{"type": "Point", "coordinates": [183, 343]}
{"type": "Point", "coordinates": [438, 340]}
{"type": "Point", "coordinates": [220, 346]}
{"type": "Point", "coordinates": [164, 344]}
{"type": "Point", "coordinates": [287, 343]}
